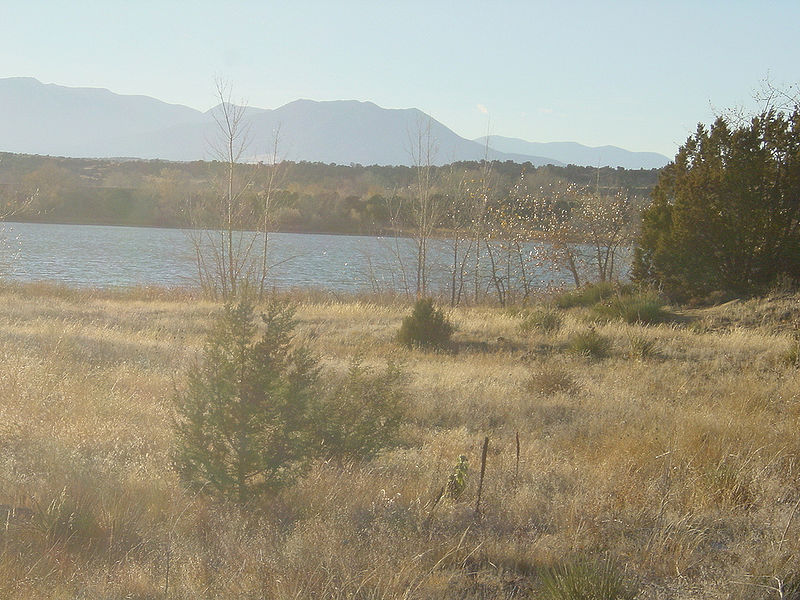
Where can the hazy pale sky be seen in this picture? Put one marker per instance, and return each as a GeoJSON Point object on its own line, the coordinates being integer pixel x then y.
{"type": "Point", "coordinates": [636, 74]}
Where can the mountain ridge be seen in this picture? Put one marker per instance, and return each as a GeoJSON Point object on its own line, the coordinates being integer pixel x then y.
{"type": "Point", "coordinates": [588, 156]}
{"type": "Point", "coordinates": [86, 122]}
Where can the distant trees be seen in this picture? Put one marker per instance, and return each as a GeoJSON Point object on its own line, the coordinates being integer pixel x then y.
{"type": "Point", "coordinates": [311, 197]}
{"type": "Point", "coordinates": [562, 228]}
{"type": "Point", "coordinates": [726, 213]}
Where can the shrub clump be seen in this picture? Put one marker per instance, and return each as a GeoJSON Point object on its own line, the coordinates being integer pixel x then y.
{"type": "Point", "coordinates": [640, 347]}
{"type": "Point", "coordinates": [362, 413]}
{"type": "Point", "coordinates": [587, 580]}
{"type": "Point", "coordinates": [551, 379]}
{"type": "Point", "coordinates": [544, 320]}
{"type": "Point", "coordinates": [791, 357]}
{"type": "Point", "coordinates": [588, 295]}
{"type": "Point", "coordinates": [425, 327]}
{"type": "Point", "coordinates": [645, 308]}
{"type": "Point", "coordinates": [590, 343]}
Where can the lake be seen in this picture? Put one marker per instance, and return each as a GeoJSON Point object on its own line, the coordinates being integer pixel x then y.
{"type": "Point", "coordinates": [110, 256]}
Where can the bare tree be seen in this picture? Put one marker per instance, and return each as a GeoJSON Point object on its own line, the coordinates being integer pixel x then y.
{"type": "Point", "coordinates": [482, 191]}
{"type": "Point", "coordinates": [267, 207]}
{"type": "Point", "coordinates": [426, 208]}
{"type": "Point", "coordinates": [586, 230]}
{"type": "Point", "coordinates": [457, 221]}
{"type": "Point", "coordinates": [512, 231]}
{"type": "Point", "coordinates": [225, 230]}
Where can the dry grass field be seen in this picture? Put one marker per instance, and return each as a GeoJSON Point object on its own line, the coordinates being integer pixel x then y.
{"type": "Point", "coordinates": [676, 457]}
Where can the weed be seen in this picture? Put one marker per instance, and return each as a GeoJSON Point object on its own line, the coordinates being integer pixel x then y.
{"type": "Point", "coordinates": [457, 481]}
{"type": "Point", "coordinates": [589, 343]}
{"type": "Point", "coordinates": [544, 320]}
{"type": "Point", "coordinates": [550, 379]}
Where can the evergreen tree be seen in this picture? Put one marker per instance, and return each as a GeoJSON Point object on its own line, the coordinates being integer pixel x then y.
{"type": "Point", "coordinates": [243, 424]}
{"type": "Point", "coordinates": [726, 213]}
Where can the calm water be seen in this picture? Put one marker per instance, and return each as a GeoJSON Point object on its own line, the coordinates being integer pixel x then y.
{"type": "Point", "coordinates": [107, 256]}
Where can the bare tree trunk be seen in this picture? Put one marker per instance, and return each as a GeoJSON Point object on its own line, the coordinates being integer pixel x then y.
{"type": "Point", "coordinates": [427, 212]}
{"type": "Point", "coordinates": [267, 214]}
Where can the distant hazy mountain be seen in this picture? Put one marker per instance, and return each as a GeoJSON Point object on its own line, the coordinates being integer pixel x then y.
{"type": "Point", "coordinates": [342, 132]}
{"type": "Point", "coordinates": [96, 123]}
{"type": "Point", "coordinates": [572, 153]}
{"type": "Point", "coordinates": [50, 119]}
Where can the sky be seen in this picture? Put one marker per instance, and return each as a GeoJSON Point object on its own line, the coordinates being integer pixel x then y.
{"type": "Point", "coordinates": [640, 75]}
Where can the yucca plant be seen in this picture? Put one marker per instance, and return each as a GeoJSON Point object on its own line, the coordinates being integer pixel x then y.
{"type": "Point", "coordinates": [587, 580]}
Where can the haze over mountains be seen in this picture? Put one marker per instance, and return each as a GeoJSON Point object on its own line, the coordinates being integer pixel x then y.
{"type": "Point", "coordinates": [96, 123]}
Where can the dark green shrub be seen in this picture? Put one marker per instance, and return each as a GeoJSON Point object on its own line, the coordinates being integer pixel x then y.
{"type": "Point", "coordinates": [362, 414]}
{"type": "Point", "coordinates": [589, 343]}
{"type": "Point", "coordinates": [724, 214]}
{"type": "Point", "coordinates": [587, 580]}
{"type": "Point", "coordinates": [243, 423]}
{"type": "Point", "coordinates": [425, 327]}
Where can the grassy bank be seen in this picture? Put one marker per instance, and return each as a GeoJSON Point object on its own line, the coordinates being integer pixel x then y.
{"type": "Point", "coordinates": [675, 455]}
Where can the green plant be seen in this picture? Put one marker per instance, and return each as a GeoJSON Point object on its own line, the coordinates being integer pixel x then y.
{"type": "Point", "coordinates": [362, 414]}
{"type": "Point", "coordinates": [724, 214]}
{"type": "Point", "coordinates": [425, 327]}
{"type": "Point", "coordinates": [587, 580]}
{"type": "Point", "coordinates": [457, 481]}
{"type": "Point", "coordinates": [587, 295]}
{"type": "Point", "coordinates": [646, 308]}
{"type": "Point", "coordinates": [589, 343]}
{"type": "Point", "coordinates": [243, 422]}
{"type": "Point", "coordinates": [544, 320]}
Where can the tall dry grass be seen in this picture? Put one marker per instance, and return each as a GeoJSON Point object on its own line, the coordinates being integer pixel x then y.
{"type": "Point", "coordinates": [680, 464]}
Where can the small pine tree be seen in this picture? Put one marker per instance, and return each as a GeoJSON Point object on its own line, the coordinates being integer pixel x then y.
{"type": "Point", "coordinates": [243, 424]}
{"type": "Point", "coordinates": [425, 327]}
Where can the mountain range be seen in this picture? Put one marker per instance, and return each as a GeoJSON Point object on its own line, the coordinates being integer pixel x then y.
{"type": "Point", "coordinates": [97, 123]}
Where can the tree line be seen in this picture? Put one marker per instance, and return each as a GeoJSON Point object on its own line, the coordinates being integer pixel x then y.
{"type": "Point", "coordinates": [311, 197]}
